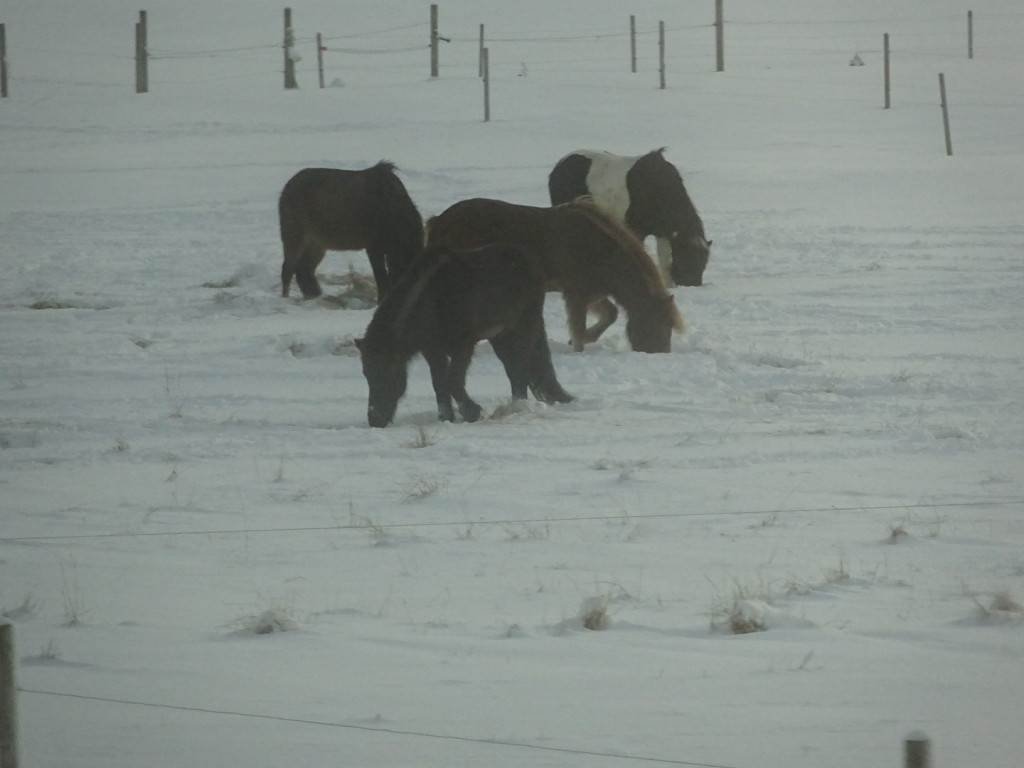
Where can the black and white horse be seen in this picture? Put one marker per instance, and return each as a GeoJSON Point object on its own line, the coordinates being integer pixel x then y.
{"type": "Point", "coordinates": [646, 193]}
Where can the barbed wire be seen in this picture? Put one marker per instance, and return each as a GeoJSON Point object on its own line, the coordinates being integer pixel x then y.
{"type": "Point", "coordinates": [513, 522]}
{"type": "Point", "coordinates": [378, 729]}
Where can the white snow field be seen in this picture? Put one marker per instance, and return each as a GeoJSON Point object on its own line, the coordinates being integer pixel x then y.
{"type": "Point", "coordinates": [208, 557]}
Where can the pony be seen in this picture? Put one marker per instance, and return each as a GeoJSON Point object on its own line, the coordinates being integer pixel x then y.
{"type": "Point", "coordinates": [445, 303]}
{"type": "Point", "coordinates": [645, 192]}
{"type": "Point", "coordinates": [584, 253]}
{"type": "Point", "coordinates": [324, 209]}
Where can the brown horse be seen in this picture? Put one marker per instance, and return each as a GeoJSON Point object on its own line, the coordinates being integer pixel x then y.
{"type": "Point", "coordinates": [328, 209]}
{"type": "Point", "coordinates": [584, 253]}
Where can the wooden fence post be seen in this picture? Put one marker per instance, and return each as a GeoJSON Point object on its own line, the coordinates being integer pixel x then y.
{"type": "Point", "coordinates": [8, 697]}
{"type": "Point", "coordinates": [434, 67]}
{"type": "Point", "coordinates": [945, 113]}
{"type": "Point", "coordinates": [289, 50]}
{"type": "Point", "coordinates": [970, 34]}
{"type": "Point", "coordinates": [320, 57]}
{"type": "Point", "coordinates": [719, 37]}
{"type": "Point", "coordinates": [3, 61]}
{"type": "Point", "coordinates": [661, 53]}
{"type": "Point", "coordinates": [141, 54]}
{"type": "Point", "coordinates": [632, 44]}
{"type": "Point", "coordinates": [916, 751]}
{"type": "Point", "coordinates": [487, 85]}
{"type": "Point", "coordinates": [885, 48]}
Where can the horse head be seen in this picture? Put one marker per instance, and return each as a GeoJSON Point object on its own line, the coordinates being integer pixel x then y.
{"type": "Point", "coordinates": [386, 374]}
{"type": "Point", "coordinates": [690, 253]}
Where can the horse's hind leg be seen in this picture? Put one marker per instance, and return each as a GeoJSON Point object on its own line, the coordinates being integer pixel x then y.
{"type": "Point", "coordinates": [607, 314]}
{"type": "Point", "coordinates": [457, 370]}
{"type": "Point", "coordinates": [515, 357]}
{"type": "Point", "coordinates": [305, 270]}
{"type": "Point", "coordinates": [576, 310]}
{"type": "Point", "coordinates": [381, 275]}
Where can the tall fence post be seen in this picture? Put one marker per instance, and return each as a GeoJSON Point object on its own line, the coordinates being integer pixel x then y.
{"type": "Point", "coordinates": [8, 697]}
{"type": "Point", "coordinates": [3, 61]}
{"type": "Point", "coordinates": [719, 36]}
{"type": "Point", "coordinates": [945, 113]}
{"type": "Point", "coordinates": [320, 58]}
{"type": "Point", "coordinates": [487, 85]}
{"type": "Point", "coordinates": [661, 53]}
{"type": "Point", "coordinates": [888, 83]}
{"type": "Point", "coordinates": [289, 51]}
{"type": "Point", "coordinates": [632, 44]}
{"type": "Point", "coordinates": [141, 54]}
{"type": "Point", "coordinates": [970, 34]}
{"type": "Point", "coordinates": [434, 63]}
{"type": "Point", "coordinates": [480, 54]}
{"type": "Point", "coordinates": [917, 751]}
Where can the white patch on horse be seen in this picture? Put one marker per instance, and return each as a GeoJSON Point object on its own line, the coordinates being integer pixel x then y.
{"type": "Point", "coordinates": [606, 181]}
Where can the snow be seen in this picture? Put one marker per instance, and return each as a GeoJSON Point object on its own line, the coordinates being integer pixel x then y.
{"type": "Point", "coordinates": [211, 560]}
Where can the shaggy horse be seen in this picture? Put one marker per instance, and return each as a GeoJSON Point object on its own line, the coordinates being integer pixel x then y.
{"type": "Point", "coordinates": [645, 192]}
{"type": "Point", "coordinates": [327, 209]}
{"type": "Point", "coordinates": [583, 253]}
{"type": "Point", "coordinates": [445, 303]}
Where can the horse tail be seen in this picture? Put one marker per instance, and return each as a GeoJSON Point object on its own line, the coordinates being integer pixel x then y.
{"type": "Point", "coordinates": [399, 220]}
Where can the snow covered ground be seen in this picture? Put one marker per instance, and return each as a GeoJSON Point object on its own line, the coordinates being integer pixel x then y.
{"type": "Point", "coordinates": [209, 558]}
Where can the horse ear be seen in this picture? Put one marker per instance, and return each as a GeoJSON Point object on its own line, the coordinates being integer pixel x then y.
{"type": "Point", "coordinates": [359, 344]}
{"type": "Point", "coordinates": [710, 242]}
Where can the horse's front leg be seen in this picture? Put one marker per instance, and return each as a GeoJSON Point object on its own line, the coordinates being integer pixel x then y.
{"type": "Point", "coordinates": [576, 310]}
{"type": "Point", "coordinates": [457, 371]}
{"type": "Point", "coordinates": [663, 246]}
{"type": "Point", "coordinates": [607, 313]}
{"type": "Point", "coordinates": [439, 371]}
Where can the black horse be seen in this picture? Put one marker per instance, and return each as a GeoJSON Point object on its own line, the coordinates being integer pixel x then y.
{"type": "Point", "coordinates": [646, 193]}
{"type": "Point", "coordinates": [327, 209]}
{"type": "Point", "coordinates": [445, 303]}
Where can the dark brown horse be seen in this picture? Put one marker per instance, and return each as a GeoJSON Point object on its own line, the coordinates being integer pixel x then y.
{"type": "Point", "coordinates": [585, 254]}
{"type": "Point", "coordinates": [447, 301]}
{"type": "Point", "coordinates": [327, 209]}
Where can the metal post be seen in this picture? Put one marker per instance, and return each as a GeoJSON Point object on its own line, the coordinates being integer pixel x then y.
{"type": "Point", "coordinates": [632, 43]}
{"type": "Point", "coordinates": [661, 52]}
{"type": "Point", "coordinates": [885, 47]}
{"type": "Point", "coordinates": [945, 113]}
{"type": "Point", "coordinates": [141, 54]}
{"type": "Point", "coordinates": [970, 34]}
{"type": "Point", "coordinates": [719, 37]}
{"type": "Point", "coordinates": [487, 86]}
{"type": "Point", "coordinates": [320, 57]}
{"type": "Point", "coordinates": [3, 61]}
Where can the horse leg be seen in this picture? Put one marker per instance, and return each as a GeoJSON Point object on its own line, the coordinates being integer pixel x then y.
{"type": "Point", "coordinates": [576, 309]}
{"type": "Point", "coordinates": [439, 376]}
{"type": "Point", "coordinates": [664, 249]}
{"type": "Point", "coordinates": [543, 381]}
{"type": "Point", "coordinates": [457, 371]}
{"type": "Point", "coordinates": [381, 276]}
{"type": "Point", "coordinates": [510, 350]}
{"type": "Point", "coordinates": [607, 314]}
{"type": "Point", "coordinates": [305, 270]}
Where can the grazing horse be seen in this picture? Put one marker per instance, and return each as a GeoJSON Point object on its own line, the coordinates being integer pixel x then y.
{"type": "Point", "coordinates": [327, 209]}
{"type": "Point", "coordinates": [645, 192]}
{"type": "Point", "coordinates": [583, 253]}
{"type": "Point", "coordinates": [445, 303]}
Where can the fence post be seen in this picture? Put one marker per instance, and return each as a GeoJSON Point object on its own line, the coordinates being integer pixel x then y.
{"type": "Point", "coordinates": [661, 53]}
{"type": "Point", "coordinates": [487, 85]}
{"type": "Point", "coordinates": [8, 697]}
{"type": "Point", "coordinates": [885, 48]}
{"type": "Point", "coordinates": [480, 54]}
{"type": "Point", "coordinates": [320, 57]}
{"type": "Point", "coordinates": [289, 50]}
{"type": "Point", "coordinates": [141, 54]}
{"type": "Point", "coordinates": [719, 37]}
{"type": "Point", "coordinates": [945, 113]}
{"type": "Point", "coordinates": [916, 751]}
{"type": "Point", "coordinates": [433, 41]}
{"type": "Point", "coordinates": [3, 61]}
{"type": "Point", "coordinates": [632, 43]}
{"type": "Point", "coordinates": [970, 34]}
